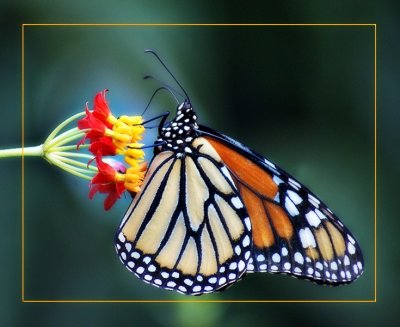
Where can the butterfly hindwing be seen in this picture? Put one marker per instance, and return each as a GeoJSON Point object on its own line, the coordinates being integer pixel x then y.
{"type": "Point", "coordinates": [293, 231]}
{"type": "Point", "coordinates": [187, 230]}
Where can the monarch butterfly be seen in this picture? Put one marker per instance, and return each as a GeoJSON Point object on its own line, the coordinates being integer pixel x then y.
{"type": "Point", "coordinates": [211, 210]}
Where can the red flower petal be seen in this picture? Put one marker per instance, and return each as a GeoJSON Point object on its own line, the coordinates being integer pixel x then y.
{"type": "Point", "coordinates": [105, 182]}
{"type": "Point", "coordinates": [101, 109]}
{"type": "Point", "coordinates": [96, 128]}
{"type": "Point", "coordinates": [104, 145]}
{"type": "Point", "coordinates": [106, 173]}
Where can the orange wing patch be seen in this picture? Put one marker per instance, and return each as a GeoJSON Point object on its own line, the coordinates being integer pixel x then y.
{"type": "Point", "coordinates": [255, 182]}
{"type": "Point", "coordinates": [245, 170]}
{"type": "Point", "coordinates": [261, 229]}
{"type": "Point", "coordinates": [281, 221]}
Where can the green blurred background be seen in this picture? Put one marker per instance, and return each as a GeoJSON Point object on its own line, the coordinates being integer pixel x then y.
{"type": "Point", "coordinates": [302, 96]}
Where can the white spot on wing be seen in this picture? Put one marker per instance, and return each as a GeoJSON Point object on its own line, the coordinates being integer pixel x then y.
{"type": "Point", "coordinates": [284, 251]}
{"type": "Point", "coordinates": [269, 163]}
{"type": "Point", "coordinates": [306, 237]}
{"type": "Point", "coordinates": [188, 282]}
{"type": "Point", "coordinates": [212, 280]}
{"type": "Point", "coordinates": [313, 219]}
{"type": "Point", "coordinates": [247, 223]}
{"type": "Point", "coordinates": [294, 197]}
{"type": "Point", "coordinates": [313, 200]}
{"type": "Point", "coordinates": [121, 237]}
{"type": "Point", "coordinates": [197, 288]}
{"type": "Point", "coordinates": [238, 250]}
{"type": "Point", "coordinates": [233, 266]}
{"type": "Point", "coordinates": [276, 257]}
{"type": "Point", "coordinates": [291, 207]}
{"type": "Point", "coordinates": [260, 258]}
{"type": "Point", "coordinates": [227, 174]}
{"type": "Point", "coordinates": [277, 180]}
{"type": "Point", "coordinates": [222, 281]}
{"type": "Point", "coordinates": [320, 214]}
{"type": "Point", "coordinates": [237, 203]}
{"type": "Point", "coordinates": [351, 239]}
{"type": "Point", "coordinates": [351, 248]}
{"type": "Point", "coordinates": [171, 284]}
{"type": "Point", "coordinates": [298, 258]}
{"type": "Point", "coordinates": [294, 184]}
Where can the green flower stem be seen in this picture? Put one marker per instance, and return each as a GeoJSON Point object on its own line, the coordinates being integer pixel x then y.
{"type": "Point", "coordinates": [70, 169]}
{"type": "Point", "coordinates": [33, 151]}
{"type": "Point", "coordinates": [66, 137]}
{"type": "Point", "coordinates": [68, 148]}
{"type": "Point", "coordinates": [75, 163]}
{"type": "Point", "coordinates": [62, 125]}
{"type": "Point", "coordinates": [60, 149]}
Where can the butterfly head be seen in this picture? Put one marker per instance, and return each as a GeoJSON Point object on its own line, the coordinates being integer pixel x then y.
{"type": "Point", "coordinates": [180, 132]}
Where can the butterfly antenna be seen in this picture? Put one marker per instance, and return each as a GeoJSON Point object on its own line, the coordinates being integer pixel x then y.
{"type": "Point", "coordinates": [172, 75]}
{"type": "Point", "coordinates": [155, 92]}
{"type": "Point", "coordinates": [165, 85]}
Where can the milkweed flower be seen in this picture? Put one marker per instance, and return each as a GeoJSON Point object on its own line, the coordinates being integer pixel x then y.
{"type": "Point", "coordinates": [106, 133]}
{"type": "Point", "coordinates": [107, 181]}
{"type": "Point", "coordinates": [111, 136]}
{"type": "Point", "coordinates": [113, 179]}
{"type": "Point", "coordinates": [108, 136]}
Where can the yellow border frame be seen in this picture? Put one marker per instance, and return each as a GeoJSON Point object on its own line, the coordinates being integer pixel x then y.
{"type": "Point", "coordinates": [374, 300]}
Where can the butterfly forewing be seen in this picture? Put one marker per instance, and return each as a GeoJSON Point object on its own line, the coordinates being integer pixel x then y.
{"type": "Point", "coordinates": [187, 230]}
{"type": "Point", "coordinates": [293, 232]}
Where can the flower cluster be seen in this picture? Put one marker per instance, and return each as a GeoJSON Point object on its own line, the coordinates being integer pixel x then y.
{"type": "Point", "coordinates": [110, 136]}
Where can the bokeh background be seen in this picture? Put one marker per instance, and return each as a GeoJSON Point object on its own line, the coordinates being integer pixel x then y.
{"type": "Point", "coordinates": [302, 96]}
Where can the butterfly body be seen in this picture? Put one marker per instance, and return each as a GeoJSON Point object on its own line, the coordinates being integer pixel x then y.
{"type": "Point", "coordinates": [211, 210]}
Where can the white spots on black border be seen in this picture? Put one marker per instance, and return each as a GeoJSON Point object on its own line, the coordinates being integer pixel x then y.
{"type": "Point", "coordinates": [298, 257]}
{"type": "Point", "coordinates": [269, 163]}
{"type": "Point", "coordinates": [128, 247]}
{"type": "Point", "coordinates": [197, 288]}
{"type": "Point", "coordinates": [352, 240]}
{"type": "Point", "coordinates": [260, 258]}
{"type": "Point", "coordinates": [212, 280]}
{"type": "Point", "coordinates": [290, 207]}
{"type": "Point", "coordinates": [320, 214]}
{"type": "Point", "coordinates": [263, 267]}
{"type": "Point", "coordinates": [276, 258]}
{"type": "Point", "coordinates": [246, 241]}
{"type": "Point", "coordinates": [233, 266]}
{"type": "Point", "coordinates": [238, 249]}
{"type": "Point", "coordinates": [121, 237]}
{"type": "Point", "coordinates": [277, 180]}
{"type": "Point", "coordinates": [294, 197]}
{"type": "Point", "coordinates": [351, 248]}
{"type": "Point", "coordinates": [284, 251]}
{"type": "Point", "coordinates": [247, 223]}
{"type": "Point", "coordinates": [294, 184]}
{"type": "Point", "coordinates": [313, 219]}
{"type": "Point", "coordinates": [314, 201]}
{"type": "Point", "coordinates": [236, 202]}
{"type": "Point", "coordinates": [306, 237]}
